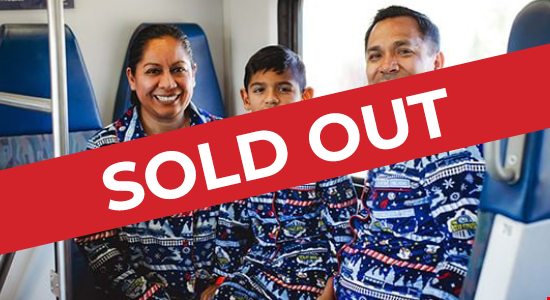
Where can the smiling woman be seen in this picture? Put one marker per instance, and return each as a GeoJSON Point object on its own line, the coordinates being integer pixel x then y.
{"type": "Point", "coordinates": [165, 257]}
{"type": "Point", "coordinates": [161, 74]}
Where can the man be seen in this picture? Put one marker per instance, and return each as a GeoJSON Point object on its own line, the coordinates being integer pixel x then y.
{"type": "Point", "coordinates": [415, 232]}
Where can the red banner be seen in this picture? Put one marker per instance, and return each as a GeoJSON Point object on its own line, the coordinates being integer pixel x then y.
{"type": "Point", "coordinates": [274, 149]}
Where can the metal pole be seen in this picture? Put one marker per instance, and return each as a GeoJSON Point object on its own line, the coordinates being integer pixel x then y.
{"type": "Point", "coordinates": [5, 264]}
{"type": "Point", "coordinates": [58, 73]}
{"type": "Point", "coordinates": [26, 102]}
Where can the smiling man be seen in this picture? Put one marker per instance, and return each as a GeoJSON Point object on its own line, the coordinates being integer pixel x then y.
{"type": "Point", "coordinates": [415, 231]}
{"type": "Point", "coordinates": [398, 47]}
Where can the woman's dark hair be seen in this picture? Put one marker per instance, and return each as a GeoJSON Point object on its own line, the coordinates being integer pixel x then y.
{"type": "Point", "coordinates": [148, 33]}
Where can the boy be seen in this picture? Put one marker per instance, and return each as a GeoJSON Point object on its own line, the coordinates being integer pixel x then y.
{"type": "Point", "coordinates": [281, 245]}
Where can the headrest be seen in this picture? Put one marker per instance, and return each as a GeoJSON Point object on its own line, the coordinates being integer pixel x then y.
{"type": "Point", "coordinates": [531, 27]}
{"type": "Point", "coordinates": [25, 70]}
{"type": "Point", "coordinates": [206, 94]}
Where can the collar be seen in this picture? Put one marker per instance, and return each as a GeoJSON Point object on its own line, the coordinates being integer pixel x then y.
{"type": "Point", "coordinates": [129, 126]}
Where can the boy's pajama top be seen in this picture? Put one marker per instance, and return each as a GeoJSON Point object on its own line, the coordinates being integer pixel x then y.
{"type": "Point", "coordinates": [283, 245]}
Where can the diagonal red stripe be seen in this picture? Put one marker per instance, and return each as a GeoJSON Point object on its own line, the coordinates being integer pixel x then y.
{"type": "Point", "coordinates": [486, 100]}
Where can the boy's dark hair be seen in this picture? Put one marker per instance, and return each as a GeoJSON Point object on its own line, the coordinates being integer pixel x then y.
{"type": "Point", "coordinates": [151, 32]}
{"type": "Point", "coordinates": [276, 58]}
{"type": "Point", "coordinates": [429, 31]}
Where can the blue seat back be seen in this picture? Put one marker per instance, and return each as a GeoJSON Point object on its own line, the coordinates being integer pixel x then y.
{"type": "Point", "coordinates": [25, 135]}
{"type": "Point", "coordinates": [526, 201]}
{"type": "Point", "coordinates": [25, 70]}
{"type": "Point", "coordinates": [206, 95]}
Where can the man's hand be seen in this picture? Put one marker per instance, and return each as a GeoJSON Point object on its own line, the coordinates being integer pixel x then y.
{"type": "Point", "coordinates": [208, 294]}
{"type": "Point", "coordinates": [328, 292]}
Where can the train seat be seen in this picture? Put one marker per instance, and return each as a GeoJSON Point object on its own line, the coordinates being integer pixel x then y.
{"type": "Point", "coordinates": [510, 259]}
{"type": "Point", "coordinates": [206, 95]}
{"type": "Point", "coordinates": [25, 135]}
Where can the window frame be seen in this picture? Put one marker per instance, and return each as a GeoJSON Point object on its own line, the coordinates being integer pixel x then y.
{"type": "Point", "coordinates": [289, 31]}
{"type": "Point", "coordinates": [289, 24]}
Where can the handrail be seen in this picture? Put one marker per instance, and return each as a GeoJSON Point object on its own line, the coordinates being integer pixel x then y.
{"type": "Point", "coordinates": [58, 72]}
{"type": "Point", "coordinates": [26, 102]}
{"type": "Point", "coordinates": [511, 171]}
{"type": "Point", "coordinates": [60, 125]}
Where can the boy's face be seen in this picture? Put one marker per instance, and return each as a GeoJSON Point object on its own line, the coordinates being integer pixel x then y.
{"type": "Point", "coordinates": [268, 89]}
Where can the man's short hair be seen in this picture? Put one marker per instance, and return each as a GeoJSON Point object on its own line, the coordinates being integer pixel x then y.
{"type": "Point", "coordinates": [429, 31]}
{"type": "Point", "coordinates": [278, 59]}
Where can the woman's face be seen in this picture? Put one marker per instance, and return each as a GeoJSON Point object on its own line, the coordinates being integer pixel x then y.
{"type": "Point", "coordinates": [164, 80]}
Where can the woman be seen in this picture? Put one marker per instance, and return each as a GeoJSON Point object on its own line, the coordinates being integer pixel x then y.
{"type": "Point", "coordinates": [170, 257]}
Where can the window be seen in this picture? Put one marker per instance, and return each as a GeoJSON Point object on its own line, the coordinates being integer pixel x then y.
{"type": "Point", "coordinates": [333, 35]}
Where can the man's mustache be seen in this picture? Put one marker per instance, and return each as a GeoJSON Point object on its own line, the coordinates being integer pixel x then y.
{"type": "Point", "coordinates": [392, 76]}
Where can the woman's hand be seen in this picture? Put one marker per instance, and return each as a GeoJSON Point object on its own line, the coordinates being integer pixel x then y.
{"type": "Point", "coordinates": [208, 294]}
{"type": "Point", "coordinates": [328, 292]}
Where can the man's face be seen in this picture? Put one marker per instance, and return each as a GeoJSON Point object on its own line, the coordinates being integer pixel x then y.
{"type": "Point", "coordinates": [268, 89]}
{"type": "Point", "coordinates": [396, 49]}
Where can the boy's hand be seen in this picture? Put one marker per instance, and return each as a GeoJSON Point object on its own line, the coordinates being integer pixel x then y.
{"type": "Point", "coordinates": [328, 292]}
{"type": "Point", "coordinates": [208, 294]}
